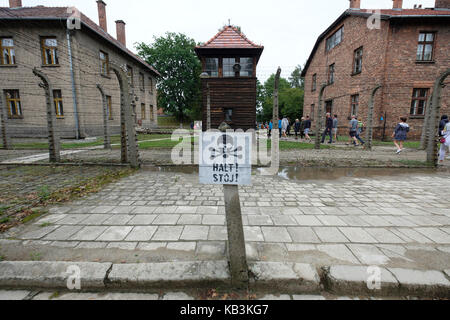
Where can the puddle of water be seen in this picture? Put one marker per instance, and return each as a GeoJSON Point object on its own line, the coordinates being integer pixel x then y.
{"type": "Point", "coordinates": [308, 173]}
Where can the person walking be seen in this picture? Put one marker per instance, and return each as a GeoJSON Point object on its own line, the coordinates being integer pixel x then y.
{"type": "Point", "coordinates": [289, 127]}
{"type": "Point", "coordinates": [284, 126]}
{"type": "Point", "coordinates": [280, 126]}
{"type": "Point", "coordinates": [302, 128]}
{"type": "Point", "coordinates": [335, 127]}
{"type": "Point", "coordinates": [353, 131]}
{"type": "Point", "coordinates": [445, 138]}
{"type": "Point", "coordinates": [328, 129]}
{"type": "Point", "coordinates": [307, 128]}
{"type": "Point", "coordinates": [359, 131]}
{"type": "Point", "coordinates": [297, 128]}
{"type": "Point", "coordinates": [270, 127]}
{"type": "Point", "coordinates": [400, 134]}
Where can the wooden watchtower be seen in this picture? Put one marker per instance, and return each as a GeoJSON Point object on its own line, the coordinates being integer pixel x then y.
{"type": "Point", "coordinates": [230, 59]}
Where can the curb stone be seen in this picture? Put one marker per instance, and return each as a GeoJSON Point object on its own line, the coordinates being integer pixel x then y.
{"type": "Point", "coordinates": [427, 283]}
{"type": "Point", "coordinates": [50, 274]}
{"type": "Point", "coordinates": [169, 275]}
{"type": "Point", "coordinates": [354, 279]}
{"type": "Point", "coordinates": [288, 277]}
{"type": "Point", "coordinates": [292, 277]}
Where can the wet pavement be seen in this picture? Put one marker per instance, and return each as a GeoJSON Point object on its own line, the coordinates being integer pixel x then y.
{"type": "Point", "coordinates": [392, 218]}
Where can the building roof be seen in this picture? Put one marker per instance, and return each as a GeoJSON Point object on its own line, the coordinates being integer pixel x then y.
{"type": "Point", "coordinates": [230, 38]}
{"type": "Point", "coordinates": [386, 14]}
{"type": "Point", "coordinates": [62, 13]}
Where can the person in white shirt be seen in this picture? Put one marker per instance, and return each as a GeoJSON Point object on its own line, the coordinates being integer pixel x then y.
{"type": "Point", "coordinates": [446, 144]}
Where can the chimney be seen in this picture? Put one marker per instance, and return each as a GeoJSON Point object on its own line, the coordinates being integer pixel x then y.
{"type": "Point", "coordinates": [442, 4]}
{"type": "Point", "coordinates": [15, 3]}
{"type": "Point", "coordinates": [102, 15]}
{"type": "Point", "coordinates": [120, 27]}
{"type": "Point", "coordinates": [355, 4]}
{"type": "Point", "coordinates": [398, 4]}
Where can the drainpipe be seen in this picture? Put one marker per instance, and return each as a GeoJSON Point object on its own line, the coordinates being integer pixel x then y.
{"type": "Point", "coordinates": [74, 96]}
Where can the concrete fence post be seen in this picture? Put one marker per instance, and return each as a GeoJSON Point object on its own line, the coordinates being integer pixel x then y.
{"type": "Point", "coordinates": [426, 128]}
{"type": "Point", "coordinates": [4, 123]}
{"type": "Point", "coordinates": [236, 240]}
{"type": "Point", "coordinates": [433, 126]}
{"type": "Point", "coordinates": [54, 144]}
{"type": "Point", "coordinates": [128, 131]}
{"type": "Point", "coordinates": [275, 150]}
{"type": "Point", "coordinates": [369, 137]}
{"type": "Point", "coordinates": [106, 136]}
{"type": "Point", "coordinates": [319, 118]}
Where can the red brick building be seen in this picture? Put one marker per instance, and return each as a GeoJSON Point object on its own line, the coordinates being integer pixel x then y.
{"type": "Point", "coordinates": [404, 50]}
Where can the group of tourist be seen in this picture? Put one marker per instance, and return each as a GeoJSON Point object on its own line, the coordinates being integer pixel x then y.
{"type": "Point", "coordinates": [302, 129]}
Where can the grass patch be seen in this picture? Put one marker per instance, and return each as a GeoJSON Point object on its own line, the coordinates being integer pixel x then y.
{"type": "Point", "coordinates": [54, 295]}
{"type": "Point", "coordinates": [292, 145]}
{"type": "Point", "coordinates": [5, 220]}
{"type": "Point", "coordinates": [43, 193]}
{"type": "Point", "coordinates": [415, 163]}
{"type": "Point", "coordinates": [35, 256]}
{"type": "Point", "coordinates": [36, 213]}
{"type": "Point", "coordinates": [46, 224]}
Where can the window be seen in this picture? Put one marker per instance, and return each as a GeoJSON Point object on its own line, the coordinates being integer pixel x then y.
{"type": "Point", "coordinates": [331, 74]}
{"type": "Point", "coordinates": [228, 64]}
{"type": "Point", "coordinates": [354, 105]}
{"type": "Point", "coordinates": [425, 47]}
{"type": "Point", "coordinates": [311, 115]}
{"type": "Point", "coordinates": [109, 107]}
{"type": "Point", "coordinates": [104, 63]}
{"type": "Point", "coordinates": [143, 113]}
{"type": "Point", "coordinates": [419, 102]}
{"type": "Point", "coordinates": [57, 99]}
{"type": "Point", "coordinates": [13, 104]}
{"type": "Point", "coordinates": [212, 67]}
{"type": "Point", "coordinates": [329, 106]}
{"type": "Point", "coordinates": [150, 81]}
{"type": "Point", "coordinates": [228, 115]}
{"type": "Point", "coordinates": [142, 81]}
{"type": "Point", "coordinates": [314, 82]}
{"type": "Point", "coordinates": [246, 67]}
{"type": "Point", "coordinates": [152, 114]}
{"type": "Point", "coordinates": [335, 39]}
{"type": "Point", "coordinates": [7, 52]}
{"type": "Point", "coordinates": [130, 75]}
{"type": "Point", "coordinates": [357, 63]}
{"type": "Point", "coordinates": [50, 51]}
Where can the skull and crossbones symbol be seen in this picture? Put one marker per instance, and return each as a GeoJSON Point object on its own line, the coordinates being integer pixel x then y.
{"type": "Point", "coordinates": [226, 148]}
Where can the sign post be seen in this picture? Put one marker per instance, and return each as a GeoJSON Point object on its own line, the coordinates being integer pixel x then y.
{"type": "Point", "coordinates": [225, 158]}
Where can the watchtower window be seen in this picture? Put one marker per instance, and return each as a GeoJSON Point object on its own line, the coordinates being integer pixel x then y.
{"type": "Point", "coordinates": [212, 67]}
{"type": "Point", "coordinates": [246, 67]}
{"type": "Point", "coordinates": [228, 64]}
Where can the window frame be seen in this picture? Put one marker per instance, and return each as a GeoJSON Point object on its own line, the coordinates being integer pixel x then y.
{"type": "Point", "coordinates": [330, 46]}
{"type": "Point", "coordinates": [358, 59]}
{"type": "Point", "coordinates": [130, 74]}
{"type": "Point", "coordinates": [226, 115]}
{"type": "Point", "coordinates": [242, 69]}
{"type": "Point", "coordinates": [10, 49]}
{"type": "Point", "coordinates": [354, 105]}
{"type": "Point", "coordinates": [104, 63]}
{"type": "Point", "coordinates": [314, 82]}
{"type": "Point", "coordinates": [419, 99]}
{"type": "Point", "coordinates": [53, 52]}
{"type": "Point", "coordinates": [142, 81]}
{"type": "Point", "coordinates": [212, 73]}
{"type": "Point", "coordinates": [143, 112]}
{"type": "Point", "coordinates": [16, 102]}
{"type": "Point", "coordinates": [331, 73]}
{"type": "Point", "coordinates": [424, 44]}
{"type": "Point", "coordinates": [58, 103]}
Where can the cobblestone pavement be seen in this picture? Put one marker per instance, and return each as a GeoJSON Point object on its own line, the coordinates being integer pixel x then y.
{"type": "Point", "coordinates": [171, 296]}
{"type": "Point", "coordinates": [395, 221]}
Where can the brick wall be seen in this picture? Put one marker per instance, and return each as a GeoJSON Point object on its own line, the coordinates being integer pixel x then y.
{"type": "Point", "coordinates": [389, 55]}
{"type": "Point", "coordinates": [86, 48]}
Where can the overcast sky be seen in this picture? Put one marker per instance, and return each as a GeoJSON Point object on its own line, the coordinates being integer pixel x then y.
{"type": "Point", "coordinates": [288, 29]}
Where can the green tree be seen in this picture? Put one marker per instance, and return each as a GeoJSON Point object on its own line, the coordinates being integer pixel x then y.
{"type": "Point", "coordinates": [290, 100]}
{"type": "Point", "coordinates": [179, 88]}
{"type": "Point", "coordinates": [296, 80]}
